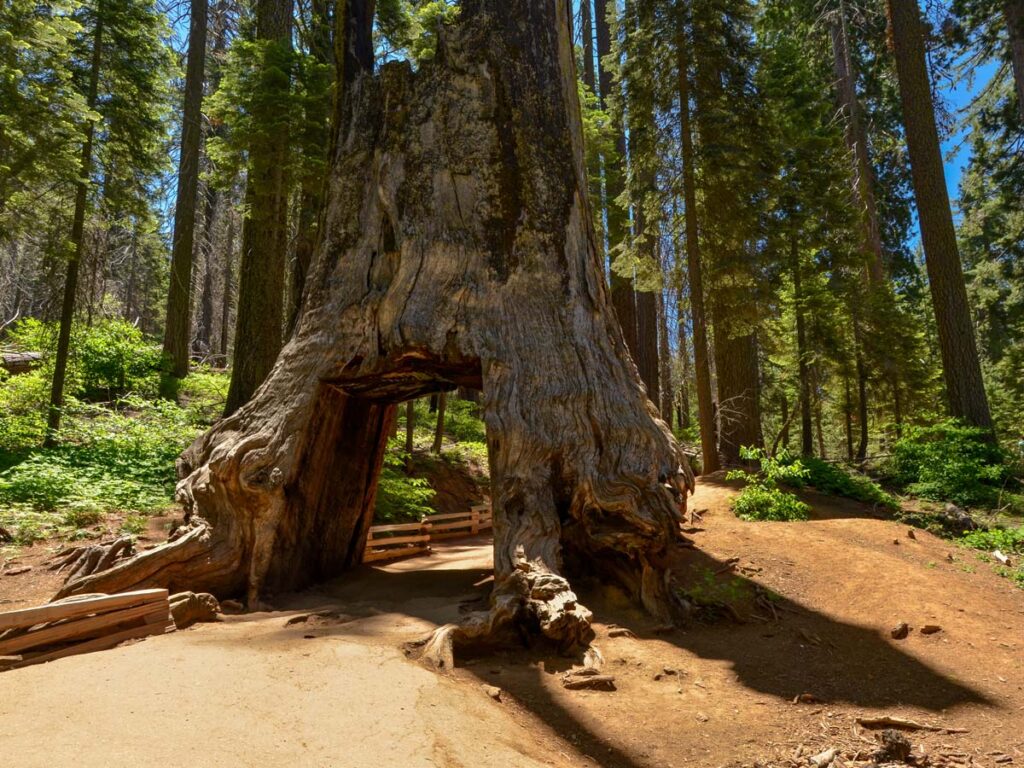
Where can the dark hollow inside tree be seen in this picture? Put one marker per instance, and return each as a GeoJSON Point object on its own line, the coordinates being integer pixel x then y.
{"type": "Point", "coordinates": [458, 250]}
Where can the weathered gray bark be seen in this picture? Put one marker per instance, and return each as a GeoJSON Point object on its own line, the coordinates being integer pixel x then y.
{"type": "Point", "coordinates": [458, 250]}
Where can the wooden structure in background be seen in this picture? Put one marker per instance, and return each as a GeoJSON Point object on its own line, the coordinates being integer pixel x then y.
{"type": "Point", "coordinates": [390, 542]}
{"type": "Point", "coordinates": [81, 625]}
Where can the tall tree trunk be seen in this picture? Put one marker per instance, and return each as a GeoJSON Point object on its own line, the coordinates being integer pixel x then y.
{"type": "Point", "coordinates": [694, 267]}
{"type": "Point", "coordinates": [260, 323]}
{"type": "Point", "coordinates": [229, 288]}
{"type": "Point", "coordinates": [410, 430]}
{"type": "Point", "coordinates": [802, 354]}
{"type": "Point", "coordinates": [215, 199]}
{"type": "Point", "coordinates": [587, 30]}
{"type": "Point", "coordinates": [510, 298]}
{"type": "Point", "coordinates": [317, 135]}
{"type": "Point", "coordinates": [442, 404]}
{"type": "Point", "coordinates": [848, 415]}
{"type": "Point", "coordinates": [1013, 10]}
{"type": "Point", "coordinates": [862, 404]}
{"type": "Point", "coordinates": [67, 310]}
{"type": "Point", "coordinates": [178, 327]}
{"type": "Point", "coordinates": [664, 362]}
{"type": "Point", "coordinates": [623, 297]}
{"type": "Point", "coordinates": [855, 133]}
{"type": "Point", "coordinates": [965, 388]}
{"type": "Point", "coordinates": [784, 434]}
{"type": "Point", "coordinates": [684, 357]}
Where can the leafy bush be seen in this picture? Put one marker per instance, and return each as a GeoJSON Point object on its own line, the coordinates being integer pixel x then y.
{"type": "Point", "coordinates": [762, 499]}
{"type": "Point", "coordinates": [835, 480]}
{"type": "Point", "coordinates": [119, 459]}
{"type": "Point", "coordinates": [462, 422]}
{"type": "Point", "coordinates": [949, 462]}
{"type": "Point", "coordinates": [400, 498]}
{"type": "Point", "coordinates": [1006, 540]}
{"type": "Point", "coordinates": [23, 402]}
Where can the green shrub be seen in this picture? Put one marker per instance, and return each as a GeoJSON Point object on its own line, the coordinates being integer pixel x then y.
{"type": "Point", "coordinates": [462, 422]}
{"type": "Point", "coordinates": [23, 402]}
{"type": "Point", "coordinates": [761, 498]}
{"type": "Point", "coordinates": [949, 462]}
{"type": "Point", "coordinates": [1006, 540]}
{"type": "Point", "coordinates": [835, 480]}
{"type": "Point", "coordinates": [400, 498]}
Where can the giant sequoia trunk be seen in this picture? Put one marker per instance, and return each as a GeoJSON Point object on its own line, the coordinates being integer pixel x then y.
{"type": "Point", "coordinates": [458, 250]}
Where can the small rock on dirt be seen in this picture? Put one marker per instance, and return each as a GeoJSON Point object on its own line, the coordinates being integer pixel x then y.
{"type": "Point", "coordinates": [806, 698]}
{"type": "Point", "coordinates": [900, 631]}
{"type": "Point", "coordinates": [896, 747]}
{"type": "Point", "coordinates": [911, 534]}
{"type": "Point", "coordinates": [492, 690]}
{"type": "Point", "coordinates": [930, 629]}
{"type": "Point", "coordinates": [823, 759]}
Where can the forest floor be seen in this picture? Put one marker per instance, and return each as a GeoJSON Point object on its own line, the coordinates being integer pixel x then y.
{"type": "Point", "coordinates": [288, 687]}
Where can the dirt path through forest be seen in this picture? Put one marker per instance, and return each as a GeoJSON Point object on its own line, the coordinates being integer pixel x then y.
{"type": "Point", "coordinates": [336, 690]}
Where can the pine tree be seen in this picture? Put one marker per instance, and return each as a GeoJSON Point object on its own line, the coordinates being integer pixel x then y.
{"type": "Point", "coordinates": [965, 388]}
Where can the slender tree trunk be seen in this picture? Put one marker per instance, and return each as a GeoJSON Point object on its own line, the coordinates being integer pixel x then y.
{"type": "Point", "coordinates": [133, 269]}
{"type": "Point", "coordinates": [784, 436]}
{"type": "Point", "coordinates": [862, 405]}
{"type": "Point", "coordinates": [442, 404]}
{"type": "Point", "coordinates": [802, 354]}
{"type": "Point", "coordinates": [229, 287]}
{"type": "Point", "coordinates": [410, 428]}
{"type": "Point", "coordinates": [623, 297]}
{"type": "Point", "coordinates": [694, 266]}
{"type": "Point", "coordinates": [1013, 10]}
{"type": "Point", "coordinates": [817, 415]}
{"type": "Point", "coordinates": [204, 326]}
{"type": "Point", "coordinates": [587, 30]}
{"type": "Point", "coordinates": [855, 133]}
{"type": "Point", "coordinates": [260, 324]}
{"type": "Point", "coordinates": [684, 357]}
{"type": "Point", "coordinates": [67, 311]}
{"type": "Point", "coordinates": [664, 362]}
{"type": "Point", "coordinates": [848, 416]}
{"type": "Point", "coordinates": [178, 328]}
{"type": "Point", "coordinates": [961, 367]}
{"type": "Point", "coordinates": [897, 407]}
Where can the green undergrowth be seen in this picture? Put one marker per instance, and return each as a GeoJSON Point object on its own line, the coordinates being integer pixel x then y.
{"type": "Point", "coordinates": [762, 498]}
{"type": "Point", "coordinates": [118, 443]}
{"type": "Point", "coordinates": [1008, 541]}
{"type": "Point", "coordinates": [406, 497]}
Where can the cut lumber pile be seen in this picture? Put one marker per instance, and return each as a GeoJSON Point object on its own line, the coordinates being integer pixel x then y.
{"type": "Point", "coordinates": [81, 624]}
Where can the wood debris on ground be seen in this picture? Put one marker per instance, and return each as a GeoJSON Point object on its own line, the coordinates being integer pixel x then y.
{"type": "Point", "coordinates": [81, 624]}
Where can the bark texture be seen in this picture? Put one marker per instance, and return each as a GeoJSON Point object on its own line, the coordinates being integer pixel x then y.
{"type": "Point", "coordinates": [1013, 10]}
{"type": "Point", "coordinates": [961, 368]}
{"type": "Point", "coordinates": [260, 321]}
{"type": "Point", "coordinates": [694, 265]}
{"type": "Point", "coordinates": [178, 328]}
{"type": "Point", "coordinates": [458, 250]}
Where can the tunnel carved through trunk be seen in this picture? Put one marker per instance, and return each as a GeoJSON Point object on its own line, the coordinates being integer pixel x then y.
{"type": "Point", "coordinates": [458, 251]}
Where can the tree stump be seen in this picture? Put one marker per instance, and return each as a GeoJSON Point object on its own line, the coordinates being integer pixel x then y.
{"type": "Point", "coordinates": [458, 250]}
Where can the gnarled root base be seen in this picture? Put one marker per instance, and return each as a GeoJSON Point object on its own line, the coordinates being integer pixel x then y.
{"type": "Point", "coordinates": [192, 558]}
{"type": "Point", "coordinates": [530, 599]}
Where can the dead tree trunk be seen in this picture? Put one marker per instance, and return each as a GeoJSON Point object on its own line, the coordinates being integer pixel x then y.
{"type": "Point", "coordinates": [458, 249]}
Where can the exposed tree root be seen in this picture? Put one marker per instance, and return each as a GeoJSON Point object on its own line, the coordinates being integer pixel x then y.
{"type": "Point", "coordinates": [86, 560]}
{"type": "Point", "coordinates": [530, 598]}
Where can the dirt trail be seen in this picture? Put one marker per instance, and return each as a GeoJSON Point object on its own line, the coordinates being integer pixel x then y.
{"type": "Point", "coordinates": [337, 691]}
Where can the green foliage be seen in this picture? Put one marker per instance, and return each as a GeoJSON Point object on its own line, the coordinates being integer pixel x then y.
{"type": "Point", "coordinates": [761, 498]}
{"type": "Point", "coordinates": [401, 498]}
{"type": "Point", "coordinates": [462, 422]}
{"type": "Point", "coordinates": [833, 479]}
{"type": "Point", "coordinates": [1009, 541]}
{"type": "Point", "coordinates": [948, 461]}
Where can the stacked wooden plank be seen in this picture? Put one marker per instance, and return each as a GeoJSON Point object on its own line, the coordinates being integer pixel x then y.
{"type": "Point", "coordinates": [81, 625]}
{"type": "Point", "coordinates": [389, 542]}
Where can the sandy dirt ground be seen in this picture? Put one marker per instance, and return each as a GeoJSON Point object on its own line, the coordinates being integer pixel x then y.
{"type": "Point", "coordinates": [804, 652]}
